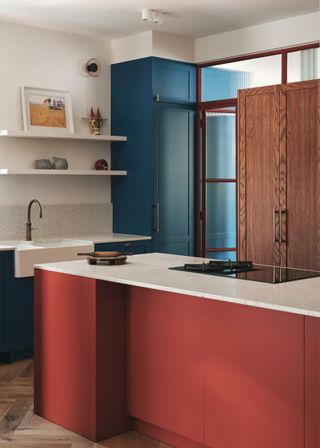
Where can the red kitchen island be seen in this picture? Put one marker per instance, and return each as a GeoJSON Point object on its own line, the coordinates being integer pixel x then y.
{"type": "Point", "coordinates": [194, 361]}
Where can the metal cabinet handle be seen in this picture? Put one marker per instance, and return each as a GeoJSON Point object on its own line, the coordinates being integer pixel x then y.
{"type": "Point", "coordinates": [283, 213]}
{"type": "Point", "coordinates": [276, 239]}
{"type": "Point", "coordinates": [156, 228]}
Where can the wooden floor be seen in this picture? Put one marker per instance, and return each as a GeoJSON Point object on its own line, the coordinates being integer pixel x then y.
{"type": "Point", "coordinates": [21, 428]}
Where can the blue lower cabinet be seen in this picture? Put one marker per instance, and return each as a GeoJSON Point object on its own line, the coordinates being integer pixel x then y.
{"type": "Point", "coordinates": [22, 316]}
{"type": "Point", "coordinates": [135, 247]}
{"type": "Point", "coordinates": [16, 312]}
{"type": "Point", "coordinates": [6, 268]}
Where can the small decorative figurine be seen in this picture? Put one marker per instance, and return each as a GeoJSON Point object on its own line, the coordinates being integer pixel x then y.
{"type": "Point", "coordinates": [43, 164]}
{"type": "Point", "coordinates": [101, 165]}
{"type": "Point", "coordinates": [59, 163]}
{"type": "Point", "coordinates": [95, 121]}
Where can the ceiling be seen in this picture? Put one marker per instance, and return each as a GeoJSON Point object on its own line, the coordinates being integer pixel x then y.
{"type": "Point", "coordinates": [117, 18]}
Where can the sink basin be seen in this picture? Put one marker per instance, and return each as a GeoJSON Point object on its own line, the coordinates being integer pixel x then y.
{"type": "Point", "coordinates": [29, 253]}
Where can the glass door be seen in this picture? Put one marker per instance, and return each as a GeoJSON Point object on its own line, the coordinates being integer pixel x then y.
{"type": "Point", "coordinates": [218, 183]}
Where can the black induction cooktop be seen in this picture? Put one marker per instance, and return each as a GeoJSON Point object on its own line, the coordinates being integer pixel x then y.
{"type": "Point", "coordinates": [246, 270]}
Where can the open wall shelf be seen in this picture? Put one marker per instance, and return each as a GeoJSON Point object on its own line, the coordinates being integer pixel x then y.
{"type": "Point", "coordinates": [84, 137]}
{"type": "Point", "coordinates": [11, 172]}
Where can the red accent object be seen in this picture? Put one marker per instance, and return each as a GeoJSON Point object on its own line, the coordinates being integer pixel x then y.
{"type": "Point", "coordinates": [101, 165]}
{"type": "Point", "coordinates": [80, 359]}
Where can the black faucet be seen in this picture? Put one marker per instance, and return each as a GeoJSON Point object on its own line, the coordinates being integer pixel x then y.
{"type": "Point", "coordinates": [28, 223]}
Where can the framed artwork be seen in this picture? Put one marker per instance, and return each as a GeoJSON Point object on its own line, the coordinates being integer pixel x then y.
{"type": "Point", "coordinates": [46, 110]}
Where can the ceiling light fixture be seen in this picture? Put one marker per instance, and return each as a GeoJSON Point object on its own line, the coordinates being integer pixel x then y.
{"type": "Point", "coordinates": [150, 15]}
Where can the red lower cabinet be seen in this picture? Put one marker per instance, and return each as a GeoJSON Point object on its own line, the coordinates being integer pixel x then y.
{"type": "Point", "coordinates": [80, 354]}
{"type": "Point", "coordinates": [165, 361]}
{"type": "Point", "coordinates": [254, 377]}
{"type": "Point", "coordinates": [312, 382]}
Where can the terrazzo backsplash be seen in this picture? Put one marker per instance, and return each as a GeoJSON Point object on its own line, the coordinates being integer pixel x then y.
{"type": "Point", "coordinates": [58, 221]}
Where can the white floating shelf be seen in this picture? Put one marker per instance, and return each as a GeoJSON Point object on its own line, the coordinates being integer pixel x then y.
{"type": "Point", "coordinates": [84, 137]}
{"type": "Point", "coordinates": [11, 172]}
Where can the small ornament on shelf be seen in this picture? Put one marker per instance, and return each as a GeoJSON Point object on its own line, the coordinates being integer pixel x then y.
{"type": "Point", "coordinates": [101, 165]}
{"type": "Point", "coordinates": [95, 121]}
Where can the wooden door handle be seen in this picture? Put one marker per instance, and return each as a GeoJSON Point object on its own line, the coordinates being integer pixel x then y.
{"type": "Point", "coordinates": [276, 223]}
{"type": "Point", "coordinates": [283, 222]}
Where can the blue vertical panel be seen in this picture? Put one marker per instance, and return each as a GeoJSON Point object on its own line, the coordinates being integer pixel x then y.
{"type": "Point", "coordinates": [221, 146]}
{"type": "Point", "coordinates": [6, 272]}
{"type": "Point", "coordinates": [173, 81]}
{"type": "Point", "coordinates": [22, 313]}
{"type": "Point", "coordinates": [174, 178]}
{"type": "Point", "coordinates": [218, 83]}
{"type": "Point", "coordinates": [131, 112]}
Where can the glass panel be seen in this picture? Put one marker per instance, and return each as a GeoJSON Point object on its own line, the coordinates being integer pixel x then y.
{"type": "Point", "coordinates": [221, 144]}
{"type": "Point", "coordinates": [223, 81]}
{"type": "Point", "coordinates": [222, 255]}
{"type": "Point", "coordinates": [221, 215]}
{"type": "Point", "coordinates": [304, 65]}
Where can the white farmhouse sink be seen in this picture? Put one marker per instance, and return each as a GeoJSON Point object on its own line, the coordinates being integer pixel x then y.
{"type": "Point", "coordinates": [29, 253]}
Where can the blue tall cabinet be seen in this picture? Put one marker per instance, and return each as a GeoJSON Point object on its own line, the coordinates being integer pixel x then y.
{"type": "Point", "coordinates": [153, 103]}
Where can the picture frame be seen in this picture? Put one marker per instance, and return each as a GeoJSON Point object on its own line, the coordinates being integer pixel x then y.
{"type": "Point", "coordinates": [46, 110]}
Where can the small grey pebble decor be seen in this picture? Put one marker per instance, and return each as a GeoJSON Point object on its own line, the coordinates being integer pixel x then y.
{"type": "Point", "coordinates": [43, 164]}
{"type": "Point", "coordinates": [59, 163]}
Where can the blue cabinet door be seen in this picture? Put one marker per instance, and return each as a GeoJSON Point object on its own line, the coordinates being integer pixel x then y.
{"type": "Point", "coordinates": [22, 313]}
{"type": "Point", "coordinates": [131, 111]}
{"type": "Point", "coordinates": [173, 81]}
{"type": "Point", "coordinates": [135, 247]}
{"type": "Point", "coordinates": [153, 129]}
{"type": "Point", "coordinates": [6, 266]}
{"type": "Point", "coordinates": [173, 179]}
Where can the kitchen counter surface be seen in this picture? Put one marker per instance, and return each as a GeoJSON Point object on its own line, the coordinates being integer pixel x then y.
{"type": "Point", "coordinates": [151, 271]}
{"type": "Point", "coordinates": [110, 238]}
{"type": "Point", "coordinates": [5, 247]}
{"type": "Point", "coordinates": [94, 238]}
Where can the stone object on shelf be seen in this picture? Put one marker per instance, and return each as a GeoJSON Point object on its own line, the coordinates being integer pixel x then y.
{"type": "Point", "coordinates": [60, 163]}
{"type": "Point", "coordinates": [43, 164]}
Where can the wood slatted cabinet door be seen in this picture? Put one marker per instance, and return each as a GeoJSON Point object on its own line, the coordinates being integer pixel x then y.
{"type": "Point", "coordinates": [258, 171]}
{"type": "Point", "coordinates": [300, 152]}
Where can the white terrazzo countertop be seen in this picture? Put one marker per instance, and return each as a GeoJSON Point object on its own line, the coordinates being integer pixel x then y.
{"type": "Point", "coordinates": [110, 238]}
{"type": "Point", "coordinates": [151, 271]}
{"type": "Point", "coordinates": [4, 247]}
{"type": "Point", "coordinates": [95, 239]}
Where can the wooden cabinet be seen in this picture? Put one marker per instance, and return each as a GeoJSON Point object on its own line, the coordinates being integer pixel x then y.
{"type": "Point", "coordinates": [153, 103]}
{"type": "Point", "coordinates": [279, 175]}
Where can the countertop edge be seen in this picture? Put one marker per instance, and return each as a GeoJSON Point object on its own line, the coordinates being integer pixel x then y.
{"type": "Point", "coordinates": [202, 295]}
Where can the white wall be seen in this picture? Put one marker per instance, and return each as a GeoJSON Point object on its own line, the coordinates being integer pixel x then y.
{"type": "Point", "coordinates": [152, 43]}
{"type": "Point", "coordinates": [282, 33]}
{"type": "Point", "coordinates": [132, 47]}
{"type": "Point", "coordinates": [171, 46]}
{"type": "Point", "coordinates": [42, 58]}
